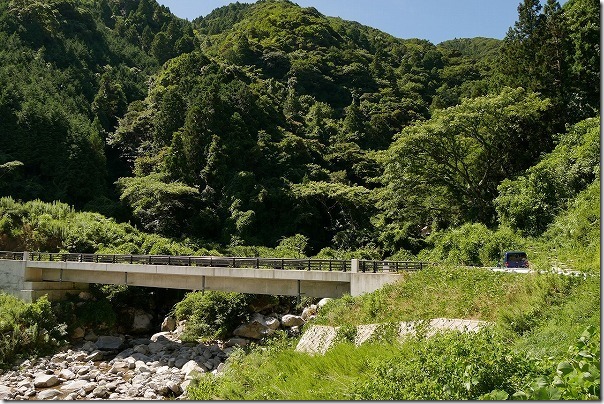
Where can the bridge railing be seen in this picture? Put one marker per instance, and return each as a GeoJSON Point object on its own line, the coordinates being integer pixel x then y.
{"type": "Point", "coordinates": [224, 262]}
{"type": "Point", "coordinates": [11, 255]}
{"type": "Point", "coordinates": [390, 266]}
{"type": "Point", "coordinates": [200, 261]}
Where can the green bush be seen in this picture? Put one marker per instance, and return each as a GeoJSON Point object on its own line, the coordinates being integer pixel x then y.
{"type": "Point", "coordinates": [212, 314]}
{"type": "Point", "coordinates": [27, 329]}
{"type": "Point", "coordinates": [447, 366]}
{"type": "Point", "coordinates": [576, 377]}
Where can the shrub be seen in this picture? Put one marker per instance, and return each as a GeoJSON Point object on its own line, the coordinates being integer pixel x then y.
{"type": "Point", "coordinates": [212, 314]}
{"type": "Point", "coordinates": [27, 329]}
{"type": "Point", "coordinates": [447, 366]}
{"type": "Point", "coordinates": [576, 377]}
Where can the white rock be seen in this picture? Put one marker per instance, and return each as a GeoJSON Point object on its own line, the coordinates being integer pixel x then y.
{"type": "Point", "coordinates": [174, 387]}
{"type": "Point", "coordinates": [5, 392]}
{"type": "Point", "coordinates": [85, 295]}
{"type": "Point", "coordinates": [95, 356]}
{"type": "Point", "coordinates": [150, 395]}
{"type": "Point", "coordinates": [142, 367]}
{"type": "Point", "coordinates": [44, 380]}
{"type": "Point", "coordinates": [184, 385]}
{"type": "Point", "coordinates": [161, 336]}
{"type": "Point", "coordinates": [100, 392]}
{"type": "Point", "coordinates": [191, 367]}
{"type": "Point", "coordinates": [163, 369]}
{"type": "Point", "coordinates": [48, 394]}
{"type": "Point", "coordinates": [67, 374]}
{"type": "Point", "coordinates": [289, 320]}
{"type": "Point", "coordinates": [74, 385]}
{"type": "Point", "coordinates": [323, 302]}
{"type": "Point", "coordinates": [119, 366]}
{"type": "Point", "coordinates": [272, 323]}
{"type": "Point", "coordinates": [309, 311]}
{"type": "Point", "coordinates": [141, 321]}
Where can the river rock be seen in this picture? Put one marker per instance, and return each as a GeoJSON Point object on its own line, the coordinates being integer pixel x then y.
{"type": "Point", "coordinates": [100, 392]}
{"type": "Point", "coordinates": [191, 367]}
{"type": "Point", "coordinates": [141, 322]}
{"type": "Point", "coordinates": [5, 392]}
{"type": "Point", "coordinates": [289, 320]}
{"type": "Point", "coordinates": [237, 342]}
{"type": "Point", "coordinates": [90, 336]}
{"type": "Point", "coordinates": [141, 349]}
{"type": "Point", "coordinates": [323, 302]}
{"type": "Point", "coordinates": [74, 385]}
{"type": "Point", "coordinates": [44, 380]}
{"type": "Point", "coordinates": [309, 312]}
{"type": "Point", "coordinates": [109, 343]}
{"type": "Point", "coordinates": [67, 374]}
{"type": "Point", "coordinates": [77, 333]}
{"type": "Point", "coordinates": [163, 336]}
{"type": "Point", "coordinates": [119, 366]}
{"type": "Point", "coordinates": [174, 387]}
{"type": "Point", "coordinates": [48, 394]}
{"type": "Point", "coordinates": [95, 356]}
{"type": "Point", "coordinates": [257, 328]}
{"type": "Point", "coordinates": [169, 324]}
{"type": "Point", "coordinates": [89, 346]}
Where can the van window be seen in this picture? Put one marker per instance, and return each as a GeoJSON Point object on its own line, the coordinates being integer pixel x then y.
{"type": "Point", "coordinates": [515, 259]}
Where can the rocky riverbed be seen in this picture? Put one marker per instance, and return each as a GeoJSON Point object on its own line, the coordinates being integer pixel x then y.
{"type": "Point", "coordinates": [115, 368]}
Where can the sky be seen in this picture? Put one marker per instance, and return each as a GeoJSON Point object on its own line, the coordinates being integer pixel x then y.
{"type": "Point", "coordinates": [434, 20]}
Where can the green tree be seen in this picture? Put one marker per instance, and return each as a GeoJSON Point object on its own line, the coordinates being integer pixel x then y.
{"type": "Point", "coordinates": [162, 207]}
{"type": "Point", "coordinates": [446, 170]}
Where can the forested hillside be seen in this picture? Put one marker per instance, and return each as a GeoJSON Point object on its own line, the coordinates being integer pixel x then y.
{"type": "Point", "coordinates": [259, 122]}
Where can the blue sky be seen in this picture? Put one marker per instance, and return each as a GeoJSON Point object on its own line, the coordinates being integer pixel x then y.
{"type": "Point", "coordinates": [434, 20]}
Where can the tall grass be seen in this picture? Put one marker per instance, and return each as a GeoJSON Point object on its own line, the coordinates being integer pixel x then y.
{"type": "Point", "coordinates": [470, 293]}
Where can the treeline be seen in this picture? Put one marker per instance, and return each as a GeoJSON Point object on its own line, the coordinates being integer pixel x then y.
{"type": "Point", "coordinates": [259, 122]}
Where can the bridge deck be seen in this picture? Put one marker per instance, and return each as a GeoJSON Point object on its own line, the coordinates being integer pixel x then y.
{"type": "Point", "coordinates": [273, 276]}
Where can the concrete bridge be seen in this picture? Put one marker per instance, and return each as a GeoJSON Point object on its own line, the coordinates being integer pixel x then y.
{"type": "Point", "coordinates": [31, 275]}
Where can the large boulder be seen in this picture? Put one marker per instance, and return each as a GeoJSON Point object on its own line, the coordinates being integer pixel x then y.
{"type": "Point", "coordinates": [141, 322]}
{"type": "Point", "coordinates": [109, 343]}
{"type": "Point", "coordinates": [323, 302]}
{"type": "Point", "coordinates": [44, 380]}
{"type": "Point", "coordinates": [6, 393]}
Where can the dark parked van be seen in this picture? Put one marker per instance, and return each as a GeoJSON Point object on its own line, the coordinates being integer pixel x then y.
{"type": "Point", "coordinates": [515, 259]}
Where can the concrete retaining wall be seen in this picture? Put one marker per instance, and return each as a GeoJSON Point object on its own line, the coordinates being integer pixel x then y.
{"type": "Point", "coordinates": [12, 277]}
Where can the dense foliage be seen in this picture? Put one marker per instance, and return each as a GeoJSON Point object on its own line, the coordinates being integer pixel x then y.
{"type": "Point", "coordinates": [272, 113]}
{"type": "Point", "coordinates": [27, 329]}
